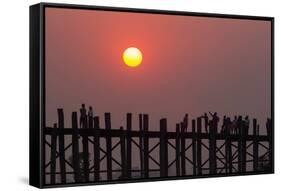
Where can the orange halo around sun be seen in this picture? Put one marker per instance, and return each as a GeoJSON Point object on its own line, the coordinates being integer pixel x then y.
{"type": "Point", "coordinates": [132, 57]}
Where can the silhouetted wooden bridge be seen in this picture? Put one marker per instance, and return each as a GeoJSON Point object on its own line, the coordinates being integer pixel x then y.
{"type": "Point", "coordinates": [226, 153]}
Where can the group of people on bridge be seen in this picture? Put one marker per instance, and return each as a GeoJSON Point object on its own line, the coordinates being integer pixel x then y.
{"type": "Point", "coordinates": [228, 125]}
{"type": "Point", "coordinates": [86, 118]}
{"type": "Point", "coordinates": [211, 122]}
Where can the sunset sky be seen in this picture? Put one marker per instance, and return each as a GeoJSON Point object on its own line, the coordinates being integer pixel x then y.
{"type": "Point", "coordinates": [190, 65]}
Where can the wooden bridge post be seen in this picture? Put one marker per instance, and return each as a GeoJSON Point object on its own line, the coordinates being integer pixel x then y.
{"type": "Point", "coordinates": [123, 153]}
{"type": "Point", "coordinates": [75, 147]}
{"type": "Point", "coordinates": [53, 155]}
{"type": "Point", "coordinates": [145, 146]}
{"type": "Point", "coordinates": [96, 149]}
{"type": "Point", "coordinates": [255, 146]}
{"type": "Point", "coordinates": [178, 149]}
{"type": "Point", "coordinates": [212, 149]}
{"type": "Point", "coordinates": [108, 146]}
{"type": "Point", "coordinates": [129, 145]}
{"type": "Point", "coordinates": [141, 144]}
{"type": "Point", "coordinates": [163, 148]}
{"type": "Point", "coordinates": [194, 153]}
{"type": "Point", "coordinates": [199, 144]}
{"type": "Point", "coordinates": [183, 170]}
{"type": "Point", "coordinates": [61, 145]}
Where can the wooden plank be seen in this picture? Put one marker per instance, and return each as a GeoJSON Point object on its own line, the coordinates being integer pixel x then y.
{"type": "Point", "coordinates": [163, 149]}
{"type": "Point", "coordinates": [53, 155]}
{"type": "Point", "coordinates": [61, 146]}
{"type": "Point", "coordinates": [123, 154]}
{"type": "Point", "coordinates": [107, 119]}
{"type": "Point", "coordinates": [199, 146]}
{"type": "Point", "coordinates": [141, 144]}
{"type": "Point", "coordinates": [183, 166]}
{"type": "Point", "coordinates": [145, 146]}
{"type": "Point", "coordinates": [151, 134]}
{"type": "Point", "coordinates": [129, 145]}
{"type": "Point", "coordinates": [255, 146]}
{"type": "Point", "coordinates": [75, 148]}
{"type": "Point", "coordinates": [194, 152]}
{"type": "Point", "coordinates": [96, 149]}
{"type": "Point", "coordinates": [178, 150]}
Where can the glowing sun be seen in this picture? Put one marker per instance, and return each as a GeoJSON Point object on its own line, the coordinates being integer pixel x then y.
{"type": "Point", "coordinates": [132, 57]}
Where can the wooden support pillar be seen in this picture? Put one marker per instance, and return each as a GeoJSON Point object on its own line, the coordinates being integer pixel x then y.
{"type": "Point", "coordinates": [199, 144]}
{"type": "Point", "coordinates": [96, 149]}
{"type": "Point", "coordinates": [228, 151]}
{"type": "Point", "coordinates": [183, 167]}
{"type": "Point", "coordinates": [129, 145]}
{"type": "Point", "coordinates": [108, 146]}
{"type": "Point", "coordinates": [61, 146]}
{"type": "Point", "coordinates": [255, 146]}
{"type": "Point", "coordinates": [75, 148]}
{"type": "Point", "coordinates": [85, 172]}
{"type": "Point", "coordinates": [53, 155]}
{"type": "Point", "coordinates": [146, 146]}
{"type": "Point", "coordinates": [212, 149]}
{"type": "Point", "coordinates": [270, 144]}
{"type": "Point", "coordinates": [244, 145]}
{"type": "Point", "coordinates": [241, 146]}
{"type": "Point", "coordinates": [163, 148]}
{"type": "Point", "coordinates": [123, 153]}
{"type": "Point", "coordinates": [141, 144]}
{"type": "Point", "coordinates": [194, 153]}
{"type": "Point", "coordinates": [178, 149]}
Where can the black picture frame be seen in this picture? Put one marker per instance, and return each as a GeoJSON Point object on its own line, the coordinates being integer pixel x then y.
{"type": "Point", "coordinates": [37, 88]}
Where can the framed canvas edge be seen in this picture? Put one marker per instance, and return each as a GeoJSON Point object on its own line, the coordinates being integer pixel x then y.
{"type": "Point", "coordinates": [156, 11]}
{"type": "Point", "coordinates": [35, 95]}
{"type": "Point", "coordinates": [37, 89]}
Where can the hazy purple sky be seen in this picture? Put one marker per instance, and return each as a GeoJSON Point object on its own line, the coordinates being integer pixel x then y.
{"type": "Point", "coordinates": [190, 64]}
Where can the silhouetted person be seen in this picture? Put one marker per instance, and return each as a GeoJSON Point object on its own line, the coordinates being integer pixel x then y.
{"type": "Point", "coordinates": [228, 125]}
{"type": "Point", "coordinates": [185, 122]}
{"type": "Point", "coordinates": [235, 125]}
{"type": "Point", "coordinates": [247, 124]}
{"type": "Point", "coordinates": [240, 125]}
{"type": "Point", "coordinates": [223, 127]}
{"type": "Point", "coordinates": [214, 121]}
{"type": "Point", "coordinates": [90, 116]}
{"type": "Point", "coordinates": [206, 121]}
{"type": "Point", "coordinates": [83, 116]}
